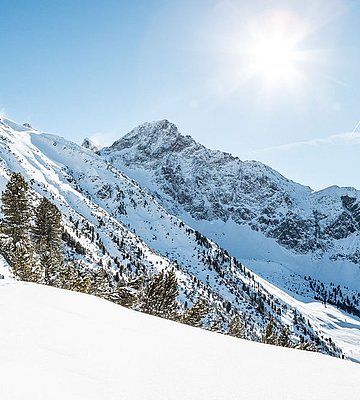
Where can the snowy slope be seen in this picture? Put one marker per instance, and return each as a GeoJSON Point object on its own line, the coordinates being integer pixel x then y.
{"type": "Point", "coordinates": [129, 225]}
{"type": "Point", "coordinates": [64, 345]}
{"type": "Point", "coordinates": [215, 187]}
{"type": "Point", "coordinates": [256, 214]}
{"type": "Point", "coordinates": [132, 228]}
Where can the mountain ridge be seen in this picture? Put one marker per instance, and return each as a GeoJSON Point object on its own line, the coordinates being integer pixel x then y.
{"type": "Point", "coordinates": [123, 226]}
{"type": "Point", "coordinates": [213, 185]}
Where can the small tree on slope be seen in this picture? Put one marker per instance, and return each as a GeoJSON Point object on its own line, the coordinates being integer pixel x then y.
{"type": "Point", "coordinates": [16, 228]}
{"type": "Point", "coordinates": [47, 237]}
{"type": "Point", "coordinates": [269, 335]}
{"type": "Point", "coordinates": [193, 316]}
{"type": "Point", "coordinates": [236, 327]}
{"type": "Point", "coordinates": [160, 296]}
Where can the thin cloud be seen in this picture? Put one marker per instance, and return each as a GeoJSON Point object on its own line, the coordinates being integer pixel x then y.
{"type": "Point", "coordinates": [3, 113]}
{"type": "Point", "coordinates": [346, 138]}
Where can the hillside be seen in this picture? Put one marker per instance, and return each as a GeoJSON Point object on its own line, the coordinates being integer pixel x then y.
{"type": "Point", "coordinates": [118, 225]}
{"type": "Point", "coordinates": [210, 187]}
{"type": "Point", "coordinates": [64, 345]}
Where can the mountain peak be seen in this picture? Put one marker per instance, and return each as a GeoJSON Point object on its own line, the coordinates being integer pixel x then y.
{"type": "Point", "coordinates": [153, 139]}
{"type": "Point", "coordinates": [7, 123]}
{"type": "Point", "coordinates": [91, 145]}
{"type": "Point", "coordinates": [154, 129]}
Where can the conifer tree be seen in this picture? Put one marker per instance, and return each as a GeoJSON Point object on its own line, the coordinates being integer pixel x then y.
{"type": "Point", "coordinates": [73, 276]}
{"type": "Point", "coordinates": [160, 296]}
{"type": "Point", "coordinates": [124, 296]}
{"type": "Point", "coordinates": [101, 285]}
{"type": "Point", "coordinates": [284, 338]}
{"type": "Point", "coordinates": [217, 325]}
{"type": "Point", "coordinates": [15, 226]}
{"type": "Point", "coordinates": [308, 346]}
{"type": "Point", "coordinates": [236, 327]}
{"type": "Point", "coordinates": [193, 316]}
{"type": "Point", "coordinates": [47, 234]}
{"type": "Point", "coordinates": [269, 335]}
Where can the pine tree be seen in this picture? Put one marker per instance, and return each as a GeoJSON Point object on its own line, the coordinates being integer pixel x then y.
{"type": "Point", "coordinates": [308, 346]}
{"type": "Point", "coordinates": [47, 234]}
{"type": "Point", "coordinates": [160, 296]}
{"type": "Point", "coordinates": [73, 276]}
{"type": "Point", "coordinates": [236, 327]}
{"type": "Point", "coordinates": [124, 296]}
{"type": "Point", "coordinates": [269, 335]}
{"type": "Point", "coordinates": [284, 338]}
{"type": "Point", "coordinates": [217, 325]}
{"type": "Point", "coordinates": [101, 284]}
{"type": "Point", "coordinates": [17, 246]}
{"type": "Point", "coordinates": [193, 316]}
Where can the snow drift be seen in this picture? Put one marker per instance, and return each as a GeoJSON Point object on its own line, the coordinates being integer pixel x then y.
{"type": "Point", "coordinates": [64, 345]}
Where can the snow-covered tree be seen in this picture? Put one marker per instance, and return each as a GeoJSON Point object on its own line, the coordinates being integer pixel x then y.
{"type": "Point", "coordinates": [269, 335]}
{"type": "Point", "coordinates": [236, 327]}
{"type": "Point", "coordinates": [47, 237]}
{"type": "Point", "coordinates": [194, 315]}
{"type": "Point", "coordinates": [284, 338]}
{"type": "Point", "coordinates": [160, 296]}
{"type": "Point", "coordinates": [15, 227]}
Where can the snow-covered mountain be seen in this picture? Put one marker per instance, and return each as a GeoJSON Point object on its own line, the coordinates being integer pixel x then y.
{"type": "Point", "coordinates": [215, 186]}
{"type": "Point", "coordinates": [58, 345]}
{"type": "Point", "coordinates": [248, 208]}
{"type": "Point", "coordinates": [118, 223]}
{"type": "Point", "coordinates": [91, 145]}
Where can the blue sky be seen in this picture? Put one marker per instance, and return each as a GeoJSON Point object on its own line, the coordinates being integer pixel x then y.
{"type": "Point", "coordinates": [99, 68]}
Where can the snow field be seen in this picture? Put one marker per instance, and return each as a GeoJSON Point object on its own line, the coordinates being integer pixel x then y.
{"type": "Point", "coordinates": [64, 345]}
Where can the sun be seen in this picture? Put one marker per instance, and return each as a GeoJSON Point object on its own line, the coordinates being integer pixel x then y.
{"type": "Point", "coordinates": [272, 52]}
{"type": "Point", "coordinates": [274, 58]}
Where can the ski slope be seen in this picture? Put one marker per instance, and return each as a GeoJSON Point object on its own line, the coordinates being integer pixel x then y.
{"type": "Point", "coordinates": [142, 237]}
{"type": "Point", "coordinates": [61, 345]}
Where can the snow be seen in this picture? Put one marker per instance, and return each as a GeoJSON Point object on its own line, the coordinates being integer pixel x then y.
{"type": "Point", "coordinates": [72, 177]}
{"type": "Point", "coordinates": [61, 345]}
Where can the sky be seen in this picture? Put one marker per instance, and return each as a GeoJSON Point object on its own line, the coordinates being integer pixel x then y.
{"type": "Point", "coordinates": [275, 81]}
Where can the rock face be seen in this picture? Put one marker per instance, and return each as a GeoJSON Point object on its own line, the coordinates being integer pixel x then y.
{"type": "Point", "coordinates": [212, 185]}
{"type": "Point", "coordinates": [113, 222]}
{"type": "Point", "coordinates": [91, 145]}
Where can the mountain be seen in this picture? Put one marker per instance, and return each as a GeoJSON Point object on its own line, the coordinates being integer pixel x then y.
{"type": "Point", "coordinates": [113, 221]}
{"type": "Point", "coordinates": [271, 223]}
{"type": "Point", "coordinates": [67, 345]}
{"type": "Point", "coordinates": [216, 186]}
{"type": "Point", "coordinates": [91, 145]}
{"type": "Point", "coordinates": [118, 225]}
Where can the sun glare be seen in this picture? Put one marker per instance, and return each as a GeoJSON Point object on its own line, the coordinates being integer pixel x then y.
{"type": "Point", "coordinates": [274, 58]}
{"type": "Point", "coordinates": [272, 52]}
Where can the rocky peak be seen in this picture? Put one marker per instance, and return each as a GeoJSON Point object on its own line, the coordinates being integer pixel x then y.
{"type": "Point", "coordinates": [213, 186]}
{"type": "Point", "coordinates": [91, 145]}
{"type": "Point", "coordinates": [152, 140]}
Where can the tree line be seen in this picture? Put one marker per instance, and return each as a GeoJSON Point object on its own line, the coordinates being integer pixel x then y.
{"type": "Point", "coordinates": [32, 238]}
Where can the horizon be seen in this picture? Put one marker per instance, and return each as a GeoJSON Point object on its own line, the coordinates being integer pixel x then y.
{"type": "Point", "coordinates": [84, 70]}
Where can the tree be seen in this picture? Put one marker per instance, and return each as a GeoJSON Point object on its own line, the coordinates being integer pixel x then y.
{"type": "Point", "coordinates": [74, 276]}
{"type": "Point", "coordinates": [101, 283]}
{"type": "Point", "coordinates": [160, 296]}
{"type": "Point", "coordinates": [16, 208]}
{"type": "Point", "coordinates": [284, 338]}
{"type": "Point", "coordinates": [193, 316]}
{"type": "Point", "coordinates": [269, 335]}
{"type": "Point", "coordinates": [236, 327]}
{"type": "Point", "coordinates": [123, 296]}
{"type": "Point", "coordinates": [16, 224]}
{"type": "Point", "coordinates": [47, 234]}
{"type": "Point", "coordinates": [308, 346]}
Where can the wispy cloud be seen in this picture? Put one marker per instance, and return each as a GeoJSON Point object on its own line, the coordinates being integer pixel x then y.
{"type": "Point", "coordinates": [2, 112]}
{"type": "Point", "coordinates": [347, 138]}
